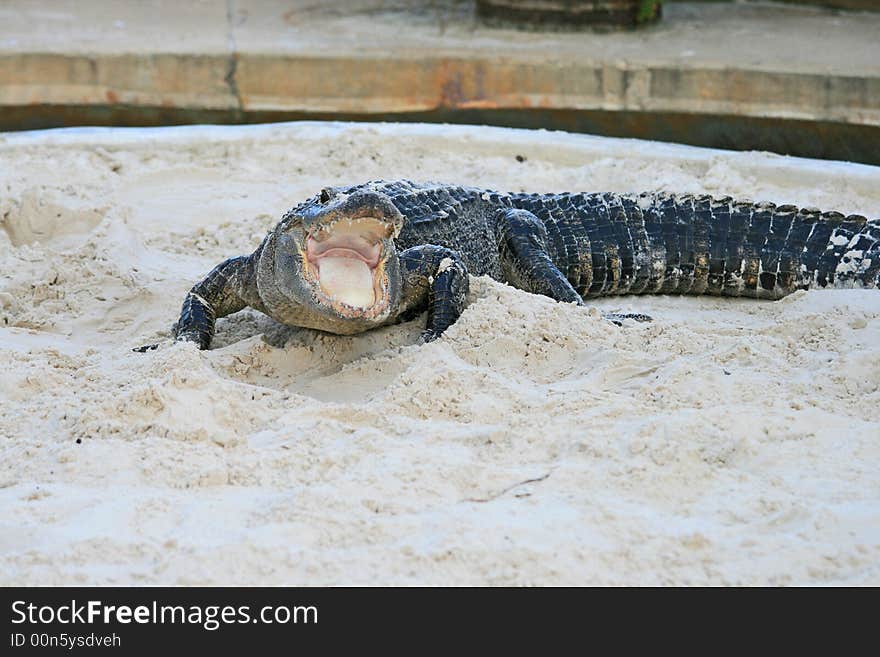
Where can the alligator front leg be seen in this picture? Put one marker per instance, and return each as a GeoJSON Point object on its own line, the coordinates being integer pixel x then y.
{"type": "Point", "coordinates": [435, 278]}
{"type": "Point", "coordinates": [218, 295]}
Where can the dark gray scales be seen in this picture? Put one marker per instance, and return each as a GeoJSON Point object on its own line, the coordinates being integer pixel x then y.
{"type": "Point", "coordinates": [568, 246]}
{"type": "Point", "coordinates": [607, 243]}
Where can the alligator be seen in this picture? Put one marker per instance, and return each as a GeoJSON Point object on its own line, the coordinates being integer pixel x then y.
{"type": "Point", "coordinates": [350, 259]}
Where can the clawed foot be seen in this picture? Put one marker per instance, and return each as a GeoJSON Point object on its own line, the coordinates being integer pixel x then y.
{"type": "Point", "coordinates": [152, 347]}
{"type": "Point", "coordinates": [617, 318]}
{"type": "Point", "coordinates": [197, 338]}
{"type": "Point", "coordinates": [145, 348]}
{"type": "Point", "coordinates": [429, 336]}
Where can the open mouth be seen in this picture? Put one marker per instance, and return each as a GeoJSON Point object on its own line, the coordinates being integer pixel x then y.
{"type": "Point", "coordinates": [345, 259]}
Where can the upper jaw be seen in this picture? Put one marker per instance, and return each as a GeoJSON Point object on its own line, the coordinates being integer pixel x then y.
{"type": "Point", "coordinates": [354, 238]}
{"type": "Point", "coordinates": [360, 206]}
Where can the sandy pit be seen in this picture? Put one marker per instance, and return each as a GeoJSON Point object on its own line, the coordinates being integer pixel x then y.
{"type": "Point", "coordinates": [728, 442]}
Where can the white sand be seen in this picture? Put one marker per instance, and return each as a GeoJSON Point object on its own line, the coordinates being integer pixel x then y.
{"type": "Point", "coordinates": [729, 442]}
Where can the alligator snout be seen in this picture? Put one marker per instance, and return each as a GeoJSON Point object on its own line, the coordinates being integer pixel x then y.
{"type": "Point", "coordinates": [366, 204]}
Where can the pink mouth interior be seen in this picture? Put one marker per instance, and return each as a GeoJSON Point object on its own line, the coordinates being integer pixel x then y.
{"type": "Point", "coordinates": [344, 246]}
{"type": "Point", "coordinates": [345, 256]}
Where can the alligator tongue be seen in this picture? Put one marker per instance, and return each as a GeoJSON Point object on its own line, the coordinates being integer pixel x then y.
{"type": "Point", "coordinates": [347, 279]}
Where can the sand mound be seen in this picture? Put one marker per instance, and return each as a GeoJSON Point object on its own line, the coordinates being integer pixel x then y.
{"type": "Point", "coordinates": [728, 442]}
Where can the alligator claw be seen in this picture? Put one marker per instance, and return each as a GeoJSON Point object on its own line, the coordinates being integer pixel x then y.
{"type": "Point", "coordinates": [617, 318]}
{"type": "Point", "coordinates": [429, 336]}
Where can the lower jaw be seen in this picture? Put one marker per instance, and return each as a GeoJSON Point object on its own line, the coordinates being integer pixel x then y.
{"type": "Point", "coordinates": [377, 311]}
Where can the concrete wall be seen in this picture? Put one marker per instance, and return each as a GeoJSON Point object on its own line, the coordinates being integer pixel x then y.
{"type": "Point", "coordinates": [236, 60]}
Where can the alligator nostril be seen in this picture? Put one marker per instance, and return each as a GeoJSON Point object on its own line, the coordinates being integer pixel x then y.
{"type": "Point", "coordinates": [325, 195]}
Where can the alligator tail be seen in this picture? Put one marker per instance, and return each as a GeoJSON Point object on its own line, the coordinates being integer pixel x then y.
{"type": "Point", "coordinates": [682, 244]}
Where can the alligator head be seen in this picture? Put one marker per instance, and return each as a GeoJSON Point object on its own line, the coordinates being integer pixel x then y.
{"type": "Point", "coordinates": [336, 255]}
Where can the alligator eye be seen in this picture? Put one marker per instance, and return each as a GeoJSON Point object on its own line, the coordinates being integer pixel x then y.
{"type": "Point", "coordinates": [325, 195]}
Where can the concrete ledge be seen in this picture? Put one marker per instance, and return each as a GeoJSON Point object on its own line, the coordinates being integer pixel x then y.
{"type": "Point", "coordinates": [407, 85]}
{"type": "Point", "coordinates": [852, 5]}
{"type": "Point", "coordinates": [381, 58]}
{"type": "Point", "coordinates": [157, 80]}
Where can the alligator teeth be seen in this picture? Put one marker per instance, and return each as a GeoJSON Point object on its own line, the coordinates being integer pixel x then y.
{"type": "Point", "coordinates": [348, 280]}
{"type": "Point", "coordinates": [375, 226]}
